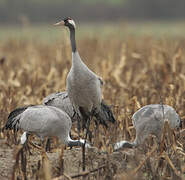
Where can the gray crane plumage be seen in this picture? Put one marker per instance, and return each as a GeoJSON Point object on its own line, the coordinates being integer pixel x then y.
{"type": "Point", "coordinates": [83, 85]}
{"type": "Point", "coordinates": [44, 121]}
{"type": "Point", "coordinates": [148, 110]}
{"type": "Point", "coordinates": [149, 120]}
{"type": "Point", "coordinates": [62, 101]}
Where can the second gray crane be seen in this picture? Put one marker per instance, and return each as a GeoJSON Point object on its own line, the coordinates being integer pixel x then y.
{"type": "Point", "coordinates": [61, 100]}
{"type": "Point", "coordinates": [149, 120]}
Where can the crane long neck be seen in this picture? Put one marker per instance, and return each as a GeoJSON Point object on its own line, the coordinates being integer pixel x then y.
{"type": "Point", "coordinates": [72, 143]}
{"type": "Point", "coordinates": [72, 38]}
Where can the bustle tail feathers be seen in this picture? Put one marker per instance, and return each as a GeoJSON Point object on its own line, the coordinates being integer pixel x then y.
{"type": "Point", "coordinates": [14, 117]}
{"type": "Point", "coordinates": [104, 115]}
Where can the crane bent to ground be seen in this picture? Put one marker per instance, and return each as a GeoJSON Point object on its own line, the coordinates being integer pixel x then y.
{"type": "Point", "coordinates": [149, 120]}
{"type": "Point", "coordinates": [43, 121]}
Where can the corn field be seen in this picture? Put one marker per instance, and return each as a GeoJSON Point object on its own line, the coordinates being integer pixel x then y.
{"type": "Point", "coordinates": [136, 71]}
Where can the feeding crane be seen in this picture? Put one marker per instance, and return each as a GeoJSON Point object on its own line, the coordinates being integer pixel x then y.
{"type": "Point", "coordinates": [43, 121]}
{"type": "Point", "coordinates": [150, 120]}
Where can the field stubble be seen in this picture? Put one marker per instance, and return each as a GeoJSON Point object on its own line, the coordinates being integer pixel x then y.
{"type": "Point", "coordinates": [136, 71]}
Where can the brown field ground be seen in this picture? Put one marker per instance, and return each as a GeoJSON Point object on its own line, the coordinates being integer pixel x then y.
{"type": "Point", "coordinates": [136, 71]}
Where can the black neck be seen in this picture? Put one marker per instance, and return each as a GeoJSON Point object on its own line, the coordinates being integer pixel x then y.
{"type": "Point", "coordinates": [74, 143]}
{"type": "Point", "coordinates": [128, 145]}
{"type": "Point", "coordinates": [72, 38]}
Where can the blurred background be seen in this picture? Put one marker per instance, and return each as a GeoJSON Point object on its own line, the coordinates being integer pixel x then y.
{"type": "Point", "coordinates": [14, 11]}
{"type": "Point", "coordinates": [152, 16]}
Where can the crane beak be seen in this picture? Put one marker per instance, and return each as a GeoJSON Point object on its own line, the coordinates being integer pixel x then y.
{"type": "Point", "coordinates": [61, 23]}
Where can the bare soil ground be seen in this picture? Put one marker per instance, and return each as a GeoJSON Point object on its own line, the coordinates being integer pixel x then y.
{"type": "Point", "coordinates": [72, 160]}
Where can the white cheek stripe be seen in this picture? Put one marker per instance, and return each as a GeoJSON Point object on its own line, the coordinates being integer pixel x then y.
{"type": "Point", "coordinates": [72, 22]}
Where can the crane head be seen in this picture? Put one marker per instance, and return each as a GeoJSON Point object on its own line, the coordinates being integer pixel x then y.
{"type": "Point", "coordinates": [69, 22]}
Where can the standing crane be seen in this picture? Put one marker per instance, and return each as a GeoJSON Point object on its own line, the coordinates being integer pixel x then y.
{"type": "Point", "coordinates": [150, 120]}
{"type": "Point", "coordinates": [83, 85]}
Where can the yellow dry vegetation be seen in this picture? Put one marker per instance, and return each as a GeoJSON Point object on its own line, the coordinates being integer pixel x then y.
{"type": "Point", "coordinates": [136, 72]}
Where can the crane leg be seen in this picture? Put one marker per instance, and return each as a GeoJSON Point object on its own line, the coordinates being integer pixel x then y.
{"type": "Point", "coordinates": [78, 126]}
{"type": "Point", "coordinates": [48, 145]}
{"type": "Point", "coordinates": [86, 134]}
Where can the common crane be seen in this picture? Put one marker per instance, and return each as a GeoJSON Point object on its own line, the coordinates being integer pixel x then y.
{"type": "Point", "coordinates": [149, 120]}
{"type": "Point", "coordinates": [83, 85]}
{"type": "Point", "coordinates": [61, 100]}
{"type": "Point", "coordinates": [43, 121]}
